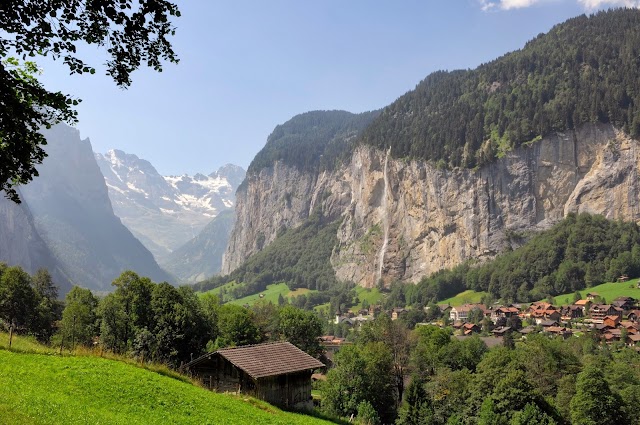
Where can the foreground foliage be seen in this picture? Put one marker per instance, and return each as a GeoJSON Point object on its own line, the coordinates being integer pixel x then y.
{"type": "Point", "coordinates": [537, 380]}
{"type": "Point", "coordinates": [133, 32]}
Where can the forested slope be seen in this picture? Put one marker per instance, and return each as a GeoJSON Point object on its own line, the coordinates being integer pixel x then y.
{"type": "Point", "coordinates": [583, 70]}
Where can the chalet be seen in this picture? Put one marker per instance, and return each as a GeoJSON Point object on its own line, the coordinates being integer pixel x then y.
{"type": "Point", "coordinates": [540, 316]}
{"type": "Point", "coordinates": [501, 331]}
{"type": "Point", "coordinates": [591, 296]}
{"type": "Point", "coordinates": [559, 331]}
{"type": "Point", "coordinates": [528, 330]}
{"type": "Point", "coordinates": [611, 321]}
{"type": "Point", "coordinates": [584, 305]}
{"type": "Point", "coordinates": [277, 372]}
{"type": "Point", "coordinates": [444, 309]}
{"type": "Point", "coordinates": [623, 278]}
{"type": "Point", "coordinates": [625, 303]}
{"type": "Point", "coordinates": [396, 313]}
{"type": "Point", "coordinates": [548, 323]}
{"type": "Point", "coordinates": [504, 312]}
{"type": "Point", "coordinates": [470, 328]}
{"type": "Point", "coordinates": [634, 315]}
{"type": "Point", "coordinates": [599, 311]}
{"type": "Point", "coordinates": [633, 339]}
{"type": "Point", "coordinates": [571, 312]}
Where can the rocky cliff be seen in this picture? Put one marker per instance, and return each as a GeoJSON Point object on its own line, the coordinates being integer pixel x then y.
{"type": "Point", "coordinates": [73, 215]}
{"type": "Point", "coordinates": [21, 245]}
{"type": "Point", "coordinates": [404, 219]}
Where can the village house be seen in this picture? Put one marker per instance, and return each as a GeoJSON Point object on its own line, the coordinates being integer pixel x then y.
{"type": "Point", "coordinates": [277, 372]}
{"type": "Point", "coordinates": [461, 313]}
{"type": "Point", "coordinates": [625, 303]}
{"type": "Point", "coordinates": [559, 331]}
{"type": "Point", "coordinates": [584, 305]}
{"type": "Point", "coordinates": [591, 296]}
{"type": "Point", "coordinates": [445, 309]}
{"type": "Point", "coordinates": [396, 313]}
{"type": "Point", "coordinates": [501, 331]}
{"type": "Point", "coordinates": [611, 321]}
{"type": "Point", "coordinates": [470, 328]}
{"type": "Point", "coordinates": [504, 312]}
{"type": "Point", "coordinates": [571, 312]}
{"type": "Point", "coordinates": [599, 311]}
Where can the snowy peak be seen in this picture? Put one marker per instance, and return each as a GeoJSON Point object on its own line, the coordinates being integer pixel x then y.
{"type": "Point", "coordinates": [165, 211]}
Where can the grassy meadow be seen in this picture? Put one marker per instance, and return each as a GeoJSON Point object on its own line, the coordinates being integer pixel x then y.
{"type": "Point", "coordinates": [272, 293]}
{"type": "Point", "coordinates": [609, 291]}
{"type": "Point", "coordinates": [466, 297]}
{"type": "Point", "coordinates": [51, 389]}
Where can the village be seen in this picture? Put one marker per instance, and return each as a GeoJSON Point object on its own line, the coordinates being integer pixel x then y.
{"type": "Point", "coordinates": [614, 322]}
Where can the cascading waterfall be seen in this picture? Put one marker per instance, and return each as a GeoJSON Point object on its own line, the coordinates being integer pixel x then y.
{"type": "Point", "coordinates": [385, 217]}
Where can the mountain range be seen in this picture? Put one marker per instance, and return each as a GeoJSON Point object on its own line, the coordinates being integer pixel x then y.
{"type": "Point", "coordinates": [165, 212]}
{"type": "Point", "coordinates": [453, 169]}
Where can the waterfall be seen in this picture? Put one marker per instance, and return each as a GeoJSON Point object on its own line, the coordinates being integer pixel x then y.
{"type": "Point", "coordinates": [385, 217]}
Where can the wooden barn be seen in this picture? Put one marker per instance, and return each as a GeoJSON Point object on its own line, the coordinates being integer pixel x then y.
{"type": "Point", "coordinates": [277, 372]}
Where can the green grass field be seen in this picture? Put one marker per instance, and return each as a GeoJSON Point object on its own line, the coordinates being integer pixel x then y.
{"type": "Point", "coordinates": [609, 291]}
{"type": "Point", "coordinates": [466, 297]}
{"type": "Point", "coordinates": [270, 294]}
{"type": "Point", "coordinates": [49, 389]}
{"type": "Point", "coordinates": [372, 295]}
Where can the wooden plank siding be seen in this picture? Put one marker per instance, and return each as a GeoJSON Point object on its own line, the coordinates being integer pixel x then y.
{"type": "Point", "coordinates": [288, 387]}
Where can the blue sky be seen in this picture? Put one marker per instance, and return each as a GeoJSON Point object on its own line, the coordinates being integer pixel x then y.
{"type": "Point", "coordinates": [247, 66]}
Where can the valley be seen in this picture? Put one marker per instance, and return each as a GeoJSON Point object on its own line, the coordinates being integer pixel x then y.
{"type": "Point", "coordinates": [466, 254]}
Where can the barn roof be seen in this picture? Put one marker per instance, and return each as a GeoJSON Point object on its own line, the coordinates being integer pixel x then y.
{"type": "Point", "coordinates": [268, 359]}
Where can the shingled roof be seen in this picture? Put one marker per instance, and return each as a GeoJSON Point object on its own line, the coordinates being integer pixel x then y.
{"type": "Point", "coordinates": [268, 359]}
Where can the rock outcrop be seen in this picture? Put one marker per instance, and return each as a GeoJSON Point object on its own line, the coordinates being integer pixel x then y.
{"type": "Point", "coordinates": [405, 219]}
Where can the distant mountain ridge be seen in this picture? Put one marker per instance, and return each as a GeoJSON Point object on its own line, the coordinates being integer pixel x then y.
{"type": "Point", "coordinates": [67, 224]}
{"type": "Point", "coordinates": [201, 257]}
{"type": "Point", "coordinates": [165, 212]}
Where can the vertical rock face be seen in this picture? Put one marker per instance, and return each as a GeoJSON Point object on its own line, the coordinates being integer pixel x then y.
{"type": "Point", "coordinates": [436, 218]}
{"type": "Point", "coordinates": [21, 245]}
{"type": "Point", "coordinates": [73, 215]}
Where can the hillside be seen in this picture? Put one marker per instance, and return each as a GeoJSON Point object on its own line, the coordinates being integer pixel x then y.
{"type": "Point", "coordinates": [201, 257]}
{"type": "Point", "coordinates": [411, 199]}
{"type": "Point", "coordinates": [48, 389]}
{"type": "Point", "coordinates": [582, 71]}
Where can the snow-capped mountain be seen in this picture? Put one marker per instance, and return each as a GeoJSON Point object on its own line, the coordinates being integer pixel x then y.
{"type": "Point", "coordinates": [165, 212]}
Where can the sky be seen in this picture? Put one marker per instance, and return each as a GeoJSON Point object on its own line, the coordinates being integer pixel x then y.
{"type": "Point", "coordinates": [247, 66]}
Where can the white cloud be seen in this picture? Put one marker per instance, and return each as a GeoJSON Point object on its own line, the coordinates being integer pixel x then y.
{"type": "Point", "coordinates": [516, 4]}
{"type": "Point", "coordinates": [594, 4]}
{"type": "Point", "coordinates": [487, 5]}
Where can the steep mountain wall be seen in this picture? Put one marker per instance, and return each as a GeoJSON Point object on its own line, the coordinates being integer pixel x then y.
{"type": "Point", "coordinates": [21, 245]}
{"type": "Point", "coordinates": [73, 215]}
{"type": "Point", "coordinates": [404, 219]}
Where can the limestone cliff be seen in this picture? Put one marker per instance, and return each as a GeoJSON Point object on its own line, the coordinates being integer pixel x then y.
{"type": "Point", "coordinates": [404, 219]}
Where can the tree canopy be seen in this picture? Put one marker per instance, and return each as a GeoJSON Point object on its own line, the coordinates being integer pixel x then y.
{"type": "Point", "coordinates": [132, 32]}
